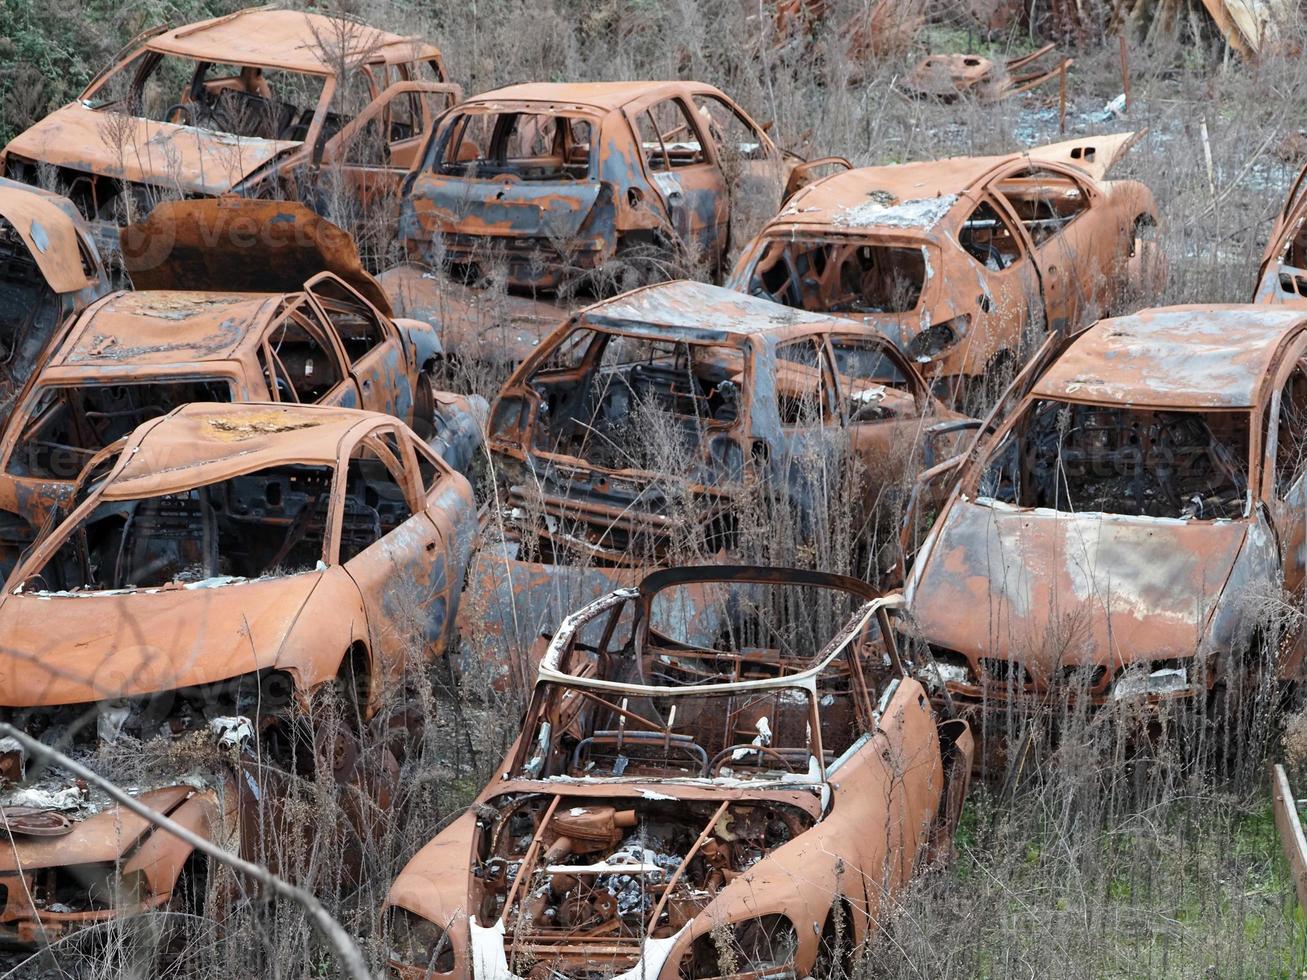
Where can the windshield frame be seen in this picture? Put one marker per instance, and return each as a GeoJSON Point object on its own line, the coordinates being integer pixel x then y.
{"type": "Point", "coordinates": [968, 488]}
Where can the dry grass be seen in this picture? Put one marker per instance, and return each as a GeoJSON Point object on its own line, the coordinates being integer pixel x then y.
{"type": "Point", "coordinates": [1094, 857]}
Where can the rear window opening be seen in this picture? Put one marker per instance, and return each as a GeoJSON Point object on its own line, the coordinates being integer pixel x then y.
{"type": "Point", "coordinates": [841, 277]}
{"type": "Point", "coordinates": [271, 522]}
{"type": "Point", "coordinates": [526, 145]}
{"type": "Point", "coordinates": [1095, 458]}
{"type": "Point", "coordinates": [63, 427]}
{"type": "Point", "coordinates": [636, 403]}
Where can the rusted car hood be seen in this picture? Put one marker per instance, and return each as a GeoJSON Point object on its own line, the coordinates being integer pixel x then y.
{"type": "Point", "coordinates": [195, 160]}
{"type": "Point", "coordinates": [127, 644]}
{"type": "Point", "coordinates": [1087, 588]}
{"type": "Point", "coordinates": [108, 835]}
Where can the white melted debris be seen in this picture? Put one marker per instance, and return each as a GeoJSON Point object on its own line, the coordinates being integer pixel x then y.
{"type": "Point", "coordinates": [923, 213]}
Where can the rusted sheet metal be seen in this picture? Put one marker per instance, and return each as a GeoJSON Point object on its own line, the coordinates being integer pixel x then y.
{"type": "Point", "coordinates": [238, 245]}
{"type": "Point", "coordinates": [1253, 27]}
{"type": "Point", "coordinates": [1289, 824]}
{"type": "Point", "coordinates": [290, 39]}
{"type": "Point", "coordinates": [1107, 536]}
{"type": "Point", "coordinates": [293, 590]}
{"type": "Point", "coordinates": [474, 325]}
{"type": "Point", "coordinates": [651, 775]}
{"type": "Point", "coordinates": [948, 76]}
{"type": "Point", "coordinates": [961, 261]}
{"type": "Point", "coordinates": [52, 270]}
{"type": "Point", "coordinates": [242, 132]}
{"type": "Point", "coordinates": [628, 179]}
{"type": "Point", "coordinates": [1282, 277]}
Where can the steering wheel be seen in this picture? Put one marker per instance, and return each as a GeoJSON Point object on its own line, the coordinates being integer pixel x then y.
{"type": "Point", "coordinates": [725, 753]}
{"type": "Point", "coordinates": [181, 109]}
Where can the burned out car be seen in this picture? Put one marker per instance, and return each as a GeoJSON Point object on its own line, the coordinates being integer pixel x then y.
{"type": "Point", "coordinates": [50, 269]}
{"type": "Point", "coordinates": [1282, 277]}
{"type": "Point", "coordinates": [307, 524]}
{"type": "Point", "coordinates": [552, 182]}
{"type": "Point", "coordinates": [219, 570]}
{"type": "Point", "coordinates": [1117, 532]}
{"type": "Point", "coordinates": [133, 356]}
{"type": "Point", "coordinates": [722, 771]}
{"type": "Point", "coordinates": [260, 101]}
{"type": "Point", "coordinates": [964, 262]}
{"type": "Point", "coordinates": [636, 431]}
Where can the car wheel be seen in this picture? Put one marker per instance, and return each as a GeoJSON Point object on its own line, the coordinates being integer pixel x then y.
{"type": "Point", "coordinates": [835, 947]}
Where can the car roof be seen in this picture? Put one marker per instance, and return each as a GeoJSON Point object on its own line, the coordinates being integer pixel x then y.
{"type": "Point", "coordinates": [593, 95]}
{"type": "Point", "coordinates": [911, 197]}
{"type": "Point", "coordinates": [700, 311]}
{"type": "Point", "coordinates": [163, 326]}
{"type": "Point", "coordinates": [205, 442]}
{"type": "Point", "coordinates": [289, 39]}
{"type": "Point", "coordinates": [1175, 357]}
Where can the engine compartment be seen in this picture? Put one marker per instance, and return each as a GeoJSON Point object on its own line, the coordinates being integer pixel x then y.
{"type": "Point", "coordinates": [575, 877]}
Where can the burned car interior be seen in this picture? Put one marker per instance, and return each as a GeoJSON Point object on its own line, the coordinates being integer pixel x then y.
{"type": "Point", "coordinates": [1089, 457]}
{"type": "Point", "coordinates": [748, 683]}
{"type": "Point", "coordinates": [524, 145]}
{"type": "Point", "coordinates": [841, 276]}
{"type": "Point", "coordinates": [676, 646]}
{"type": "Point", "coordinates": [271, 522]}
{"type": "Point", "coordinates": [603, 396]}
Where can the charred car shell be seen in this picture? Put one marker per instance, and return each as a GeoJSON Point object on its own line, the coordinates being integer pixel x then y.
{"type": "Point", "coordinates": [221, 540]}
{"type": "Point", "coordinates": [1282, 277]}
{"type": "Point", "coordinates": [636, 429]}
{"type": "Point", "coordinates": [553, 181]}
{"type": "Point", "coordinates": [269, 130]}
{"type": "Point", "coordinates": [668, 800]}
{"type": "Point", "coordinates": [1108, 538]}
{"type": "Point", "coordinates": [963, 261]}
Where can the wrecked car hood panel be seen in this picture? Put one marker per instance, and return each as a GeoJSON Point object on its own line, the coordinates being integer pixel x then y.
{"type": "Point", "coordinates": [1102, 589]}
{"type": "Point", "coordinates": [194, 160]}
{"type": "Point", "coordinates": [104, 836]}
{"type": "Point", "coordinates": [127, 644]}
{"type": "Point", "coordinates": [1094, 155]}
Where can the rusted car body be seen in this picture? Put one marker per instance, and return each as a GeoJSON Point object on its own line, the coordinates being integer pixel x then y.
{"type": "Point", "coordinates": [265, 101]}
{"type": "Point", "coordinates": [552, 182]}
{"type": "Point", "coordinates": [964, 262]}
{"type": "Point", "coordinates": [218, 569]}
{"type": "Point", "coordinates": [50, 269]}
{"type": "Point", "coordinates": [135, 356]}
{"type": "Point", "coordinates": [1282, 277]}
{"type": "Point", "coordinates": [950, 76]}
{"type": "Point", "coordinates": [636, 430]}
{"type": "Point", "coordinates": [1117, 532]}
{"type": "Point", "coordinates": [754, 794]}
{"type": "Point", "coordinates": [303, 329]}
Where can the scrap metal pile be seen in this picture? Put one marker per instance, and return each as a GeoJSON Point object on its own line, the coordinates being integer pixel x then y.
{"type": "Point", "coordinates": [241, 522]}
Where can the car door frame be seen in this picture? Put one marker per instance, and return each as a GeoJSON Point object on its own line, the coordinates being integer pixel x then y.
{"type": "Point", "coordinates": [345, 393]}
{"type": "Point", "coordinates": [376, 570]}
{"type": "Point", "coordinates": [369, 180]}
{"type": "Point", "coordinates": [683, 218]}
{"type": "Point", "coordinates": [375, 391]}
{"type": "Point", "coordinates": [1064, 305]}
